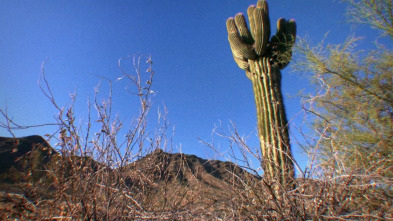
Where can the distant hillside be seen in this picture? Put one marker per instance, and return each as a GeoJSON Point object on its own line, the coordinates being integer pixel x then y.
{"type": "Point", "coordinates": [34, 152]}
{"type": "Point", "coordinates": [23, 157]}
{"type": "Point", "coordinates": [159, 181]}
{"type": "Point", "coordinates": [189, 181]}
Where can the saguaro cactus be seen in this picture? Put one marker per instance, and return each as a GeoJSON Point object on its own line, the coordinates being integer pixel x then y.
{"type": "Point", "coordinates": [262, 60]}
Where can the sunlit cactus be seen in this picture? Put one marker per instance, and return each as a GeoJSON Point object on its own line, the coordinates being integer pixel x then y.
{"type": "Point", "coordinates": [262, 58]}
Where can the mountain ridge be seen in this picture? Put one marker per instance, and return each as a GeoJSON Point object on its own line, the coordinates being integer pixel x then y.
{"type": "Point", "coordinates": [159, 181]}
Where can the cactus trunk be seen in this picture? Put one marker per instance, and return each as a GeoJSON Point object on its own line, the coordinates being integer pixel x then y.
{"type": "Point", "coordinates": [262, 60]}
{"type": "Point", "coordinates": [272, 123]}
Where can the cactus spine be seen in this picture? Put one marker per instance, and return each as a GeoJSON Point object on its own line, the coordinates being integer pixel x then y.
{"type": "Point", "coordinates": [262, 60]}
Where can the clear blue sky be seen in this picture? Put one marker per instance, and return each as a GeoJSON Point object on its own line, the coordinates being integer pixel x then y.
{"type": "Point", "coordinates": [196, 76]}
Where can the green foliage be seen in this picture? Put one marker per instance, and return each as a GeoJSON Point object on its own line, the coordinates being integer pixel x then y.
{"type": "Point", "coordinates": [353, 105]}
{"type": "Point", "coordinates": [376, 13]}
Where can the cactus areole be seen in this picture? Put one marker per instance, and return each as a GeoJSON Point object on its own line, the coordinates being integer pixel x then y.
{"type": "Point", "coordinates": [262, 57]}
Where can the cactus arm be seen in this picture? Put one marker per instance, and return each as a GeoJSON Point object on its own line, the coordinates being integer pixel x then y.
{"type": "Point", "coordinates": [264, 6]}
{"type": "Point", "coordinates": [240, 49]}
{"type": "Point", "coordinates": [241, 25]}
{"type": "Point", "coordinates": [250, 14]}
{"type": "Point", "coordinates": [283, 41]}
{"type": "Point", "coordinates": [243, 64]}
{"type": "Point", "coordinates": [261, 38]}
